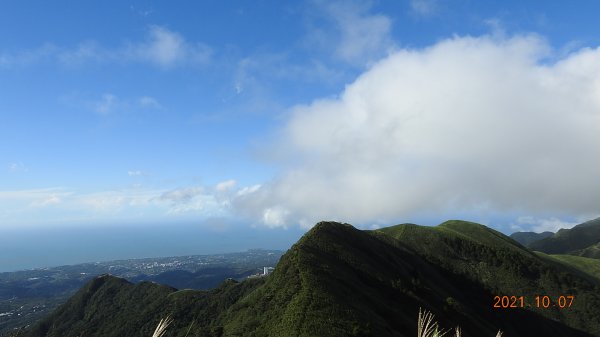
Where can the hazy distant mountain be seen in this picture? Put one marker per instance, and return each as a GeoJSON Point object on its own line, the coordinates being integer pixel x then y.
{"type": "Point", "coordinates": [526, 238]}
{"type": "Point", "coordinates": [581, 240]}
{"type": "Point", "coordinates": [340, 281]}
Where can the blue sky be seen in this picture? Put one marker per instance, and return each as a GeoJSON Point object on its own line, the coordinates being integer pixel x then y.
{"type": "Point", "coordinates": [240, 115]}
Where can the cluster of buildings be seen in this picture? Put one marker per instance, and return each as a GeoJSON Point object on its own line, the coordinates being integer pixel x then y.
{"type": "Point", "coordinates": [266, 271]}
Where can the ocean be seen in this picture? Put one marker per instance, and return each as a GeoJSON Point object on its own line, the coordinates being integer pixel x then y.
{"type": "Point", "coordinates": [45, 247]}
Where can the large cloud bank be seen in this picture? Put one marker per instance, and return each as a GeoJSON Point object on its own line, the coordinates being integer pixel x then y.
{"type": "Point", "coordinates": [468, 123]}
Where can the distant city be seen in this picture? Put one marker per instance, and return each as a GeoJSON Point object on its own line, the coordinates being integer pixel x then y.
{"type": "Point", "coordinates": [28, 295]}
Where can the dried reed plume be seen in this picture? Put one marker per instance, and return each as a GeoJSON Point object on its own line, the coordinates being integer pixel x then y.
{"type": "Point", "coordinates": [162, 326]}
{"type": "Point", "coordinates": [427, 327]}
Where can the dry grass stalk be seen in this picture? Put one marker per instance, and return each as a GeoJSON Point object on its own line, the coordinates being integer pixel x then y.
{"type": "Point", "coordinates": [162, 326]}
{"type": "Point", "coordinates": [427, 327]}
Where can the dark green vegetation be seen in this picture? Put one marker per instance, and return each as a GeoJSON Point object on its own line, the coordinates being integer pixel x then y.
{"type": "Point", "coordinates": [526, 238]}
{"type": "Point", "coordinates": [27, 296]}
{"type": "Point", "coordinates": [110, 306]}
{"type": "Point", "coordinates": [581, 240]}
{"type": "Point", "coordinates": [340, 281]}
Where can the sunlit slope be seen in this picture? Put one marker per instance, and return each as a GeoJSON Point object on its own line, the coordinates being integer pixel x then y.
{"type": "Point", "coordinates": [585, 265]}
{"type": "Point", "coordinates": [503, 266]}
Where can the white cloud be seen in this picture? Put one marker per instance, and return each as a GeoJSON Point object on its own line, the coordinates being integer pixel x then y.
{"type": "Point", "coordinates": [275, 217]}
{"type": "Point", "coordinates": [540, 225]}
{"type": "Point", "coordinates": [164, 48]}
{"type": "Point", "coordinates": [134, 204]}
{"type": "Point", "coordinates": [226, 185]}
{"type": "Point", "coordinates": [358, 37]}
{"type": "Point", "coordinates": [248, 190]}
{"type": "Point", "coordinates": [135, 173]}
{"type": "Point", "coordinates": [424, 7]}
{"type": "Point", "coordinates": [468, 123]}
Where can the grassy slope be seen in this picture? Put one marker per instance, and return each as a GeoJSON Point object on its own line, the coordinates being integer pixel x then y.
{"type": "Point", "coordinates": [591, 251]}
{"type": "Point", "coordinates": [504, 267]}
{"type": "Point", "coordinates": [586, 265]}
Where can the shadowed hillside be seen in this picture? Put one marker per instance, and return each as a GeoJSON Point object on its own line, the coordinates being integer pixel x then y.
{"type": "Point", "coordinates": [526, 238]}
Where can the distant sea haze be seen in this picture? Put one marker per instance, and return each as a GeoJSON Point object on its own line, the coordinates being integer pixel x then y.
{"type": "Point", "coordinates": [38, 248]}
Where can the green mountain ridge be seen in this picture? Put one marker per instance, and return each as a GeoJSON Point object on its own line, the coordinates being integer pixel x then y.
{"type": "Point", "coordinates": [526, 238]}
{"type": "Point", "coordinates": [341, 281]}
{"type": "Point", "coordinates": [581, 240]}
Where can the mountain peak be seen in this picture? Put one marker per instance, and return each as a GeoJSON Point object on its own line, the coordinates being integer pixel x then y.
{"type": "Point", "coordinates": [327, 229]}
{"type": "Point", "coordinates": [331, 226]}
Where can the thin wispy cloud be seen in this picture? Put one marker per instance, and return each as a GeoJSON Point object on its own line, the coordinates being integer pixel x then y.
{"type": "Point", "coordinates": [28, 57]}
{"type": "Point", "coordinates": [145, 12]}
{"type": "Point", "coordinates": [149, 102]}
{"type": "Point", "coordinates": [424, 8]}
{"type": "Point", "coordinates": [108, 103]}
{"type": "Point", "coordinates": [161, 47]}
{"type": "Point", "coordinates": [357, 36]}
{"type": "Point", "coordinates": [31, 194]}
{"type": "Point", "coordinates": [226, 185]}
{"type": "Point", "coordinates": [16, 167]}
{"type": "Point", "coordinates": [24, 201]}
{"type": "Point", "coordinates": [136, 173]}
{"type": "Point", "coordinates": [166, 48]}
{"type": "Point", "coordinates": [181, 195]}
{"type": "Point", "coordinates": [50, 200]}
